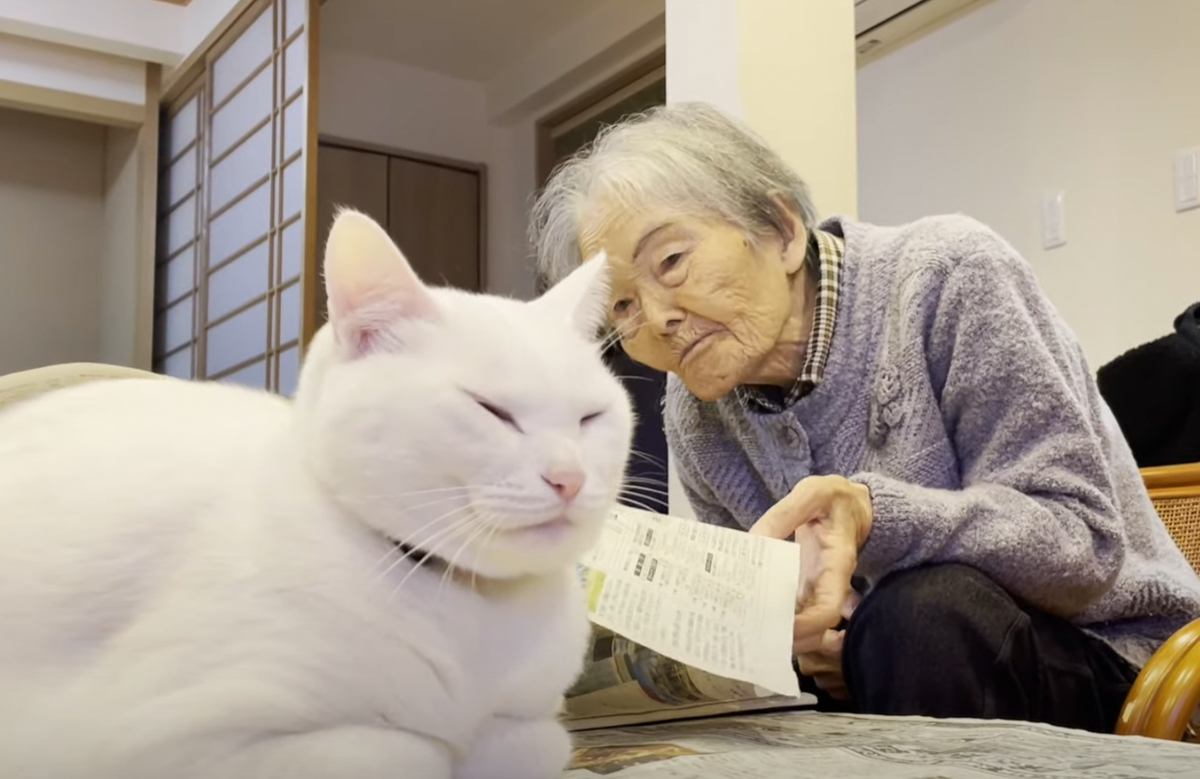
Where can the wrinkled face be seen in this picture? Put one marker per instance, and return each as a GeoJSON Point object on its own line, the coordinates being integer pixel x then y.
{"type": "Point", "coordinates": [485, 431]}
{"type": "Point", "coordinates": [697, 297]}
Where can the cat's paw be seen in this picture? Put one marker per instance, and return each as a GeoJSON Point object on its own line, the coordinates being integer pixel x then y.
{"type": "Point", "coordinates": [506, 748]}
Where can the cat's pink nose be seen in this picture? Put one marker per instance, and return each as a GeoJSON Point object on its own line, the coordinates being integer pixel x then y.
{"type": "Point", "coordinates": [567, 482]}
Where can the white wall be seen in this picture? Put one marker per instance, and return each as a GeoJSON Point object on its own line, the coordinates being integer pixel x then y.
{"type": "Point", "coordinates": [56, 78]}
{"type": "Point", "coordinates": [51, 220]}
{"type": "Point", "coordinates": [136, 29]}
{"type": "Point", "coordinates": [511, 184]}
{"type": "Point", "coordinates": [408, 108]}
{"type": "Point", "coordinates": [118, 256]}
{"type": "Point", "coordinates": [396, 105]}
{"type": "Point", "coordinates": [201, 17]}
{"type": "Point", "coordinates": [1023, 96]}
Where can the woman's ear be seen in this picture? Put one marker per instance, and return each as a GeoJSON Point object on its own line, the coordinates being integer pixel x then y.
{"type": "Point", "coordinates": [793, 236]}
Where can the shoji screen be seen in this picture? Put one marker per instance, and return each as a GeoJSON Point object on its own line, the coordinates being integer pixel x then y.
{"type": "Point", "coordinates": [233, 194]}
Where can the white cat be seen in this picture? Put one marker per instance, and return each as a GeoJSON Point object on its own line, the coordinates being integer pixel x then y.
{"type": "Point", "coordinates": [202, 581]}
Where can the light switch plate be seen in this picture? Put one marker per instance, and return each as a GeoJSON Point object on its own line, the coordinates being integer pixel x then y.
{"type": "Point", "coordinates": [1187, 179]}
{"type": "Point", "coordinates": [1054, 225]}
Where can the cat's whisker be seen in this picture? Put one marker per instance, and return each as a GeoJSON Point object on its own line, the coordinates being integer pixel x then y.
{"type": "Point", "coordinates": [630, 328]}
{"type": "Point", "coordinates": [645, 486]}
{"type": "Point", "coordinates": [400, 496]}
{"type": "Point", "coordinates": [658, 500]}
{"type": "Point", "coordinates": [639, 505]}
{"type": "Point", "coordinates": [416, 547]}
{"type": "Point", "coordinates": [652, 489]}
{"type": "Point", "coordinates": [649, 480]}
{"type": "Point", "coordinates": [496, 527]}
{"type": "Point", "coordinates": [421, 551]}
{"type": "Point", "coordinates": [461, 527]}
{"type": "Point", "coordinates": [395, 547]}
{"type": "Point", "coordinates": [647, 457]}
{"type": "Point", "coordinates": [652, 495]}
{"type": "Point", "coordinates": [621, 331]}
{"type": "Point", "coordinates": [392, 550]}
{"type": "Point", "coordinates": [481, 528]}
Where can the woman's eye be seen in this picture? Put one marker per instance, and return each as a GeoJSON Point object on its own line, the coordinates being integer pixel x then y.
{"type": "Point", "coordinates": [670, 262]}
{"type": "Point", "coordinates": [621, 306]}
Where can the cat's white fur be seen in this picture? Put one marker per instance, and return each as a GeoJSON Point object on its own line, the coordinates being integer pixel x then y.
{"type": "Point", "coordinates": [201, 581]}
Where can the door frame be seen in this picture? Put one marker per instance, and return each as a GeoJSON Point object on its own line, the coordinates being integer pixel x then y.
{"type": "Point", "coordinates": [586, 105]}
{"type": "Point", "coordinates": [478, 168]}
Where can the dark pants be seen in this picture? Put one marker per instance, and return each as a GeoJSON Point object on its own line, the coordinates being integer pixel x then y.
{"type": "Point", "coordinates": [947, 641]}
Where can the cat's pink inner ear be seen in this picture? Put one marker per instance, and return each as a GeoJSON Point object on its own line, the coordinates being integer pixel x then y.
{"type": "Point", "coordinates": [372, 289]}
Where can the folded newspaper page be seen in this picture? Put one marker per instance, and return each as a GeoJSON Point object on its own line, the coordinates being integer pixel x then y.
{"type": "Point", "coordinates": [718, 600]}
{"type": "Point", "coordinates": [804, 744]}
{"type": "Point", "coordinates": [624, 683]}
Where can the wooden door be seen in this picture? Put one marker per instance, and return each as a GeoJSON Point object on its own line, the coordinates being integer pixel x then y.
{"type": "Point", "coordinates": [347, 177]}
{"type": "Point", "coordinates": [433, 216]}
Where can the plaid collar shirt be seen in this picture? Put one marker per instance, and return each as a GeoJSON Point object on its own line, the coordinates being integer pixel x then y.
{"type": "Point", "coordinates": [829, 250]}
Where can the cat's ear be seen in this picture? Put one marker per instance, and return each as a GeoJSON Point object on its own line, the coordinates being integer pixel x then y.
{"type": "Point", "coordinates": [581, 299]}
{"type": "Point", "coordinates": [371, 286]}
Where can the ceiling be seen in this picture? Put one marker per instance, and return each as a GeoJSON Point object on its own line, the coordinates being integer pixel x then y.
{"type": "Point", "coordinates": [470, 39]}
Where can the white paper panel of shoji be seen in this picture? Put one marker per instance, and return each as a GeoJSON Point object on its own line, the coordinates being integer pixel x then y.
{"type": "Point", "coordinates": [293, 189]}
{"type": "Point", "coordinates": [289, 314]}
{"type": "Point", "coordinates": [176, 277]}
{"type": "Point", "coordinates": [293, 128]}
{"type": "Point", "coordinates": [246, 165]}
{"type": "Point", "coordinates": [249, 107]}
{"type": "Point", "coordinates": [239, 282]}
{"type": "Point", "coordinates": [292, 249]}
{"type": "Point", "coordinates": [240, 226]}
{"type": "Point", "coordinates": [178, 364]}
{"type": "Point", "coordinates": [173, 327]}
{"type": "Point", "coordinates": [180, 226]}
{"type": "Point", "coordinates": [182, 130]}
{"type": "Point", "coordinates": [237, 339]}
{"type": "Point", "coordinates": [295, 65]}
{"type": "Point", "coordinates": [243, 56]}
{"type": "Point", "coordinates": [179, 179]}
{"type": "Point", "coordinates": [253, 375]}
{"type": "Point", "coordinates": [295, 15]}
{"type": "Point", "coordinates": [289, 370]}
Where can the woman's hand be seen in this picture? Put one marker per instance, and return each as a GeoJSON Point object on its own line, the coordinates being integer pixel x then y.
{"type": "Point", "coordinates": [830, 518]}
{"type": "Point", "coordinates": [824, 667]}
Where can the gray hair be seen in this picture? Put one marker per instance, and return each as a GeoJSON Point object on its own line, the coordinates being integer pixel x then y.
{"type": "Point", "coordinates": [687, 158]}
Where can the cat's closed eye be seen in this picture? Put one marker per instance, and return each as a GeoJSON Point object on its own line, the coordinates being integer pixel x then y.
{"type": "Point", "coordinates": [497, 411]}
{"type": "Point", "coordinates": [592, 417]}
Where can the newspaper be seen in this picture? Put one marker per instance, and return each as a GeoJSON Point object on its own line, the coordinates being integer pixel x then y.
{"type": "Point", "coordinates": [624, 683]}
{"type": "Point", "coordinates": [689, 620]}
{"type": "Point", "coordinates": [802, 744]}
{"type": "Point", "coordinates": [717, 599]}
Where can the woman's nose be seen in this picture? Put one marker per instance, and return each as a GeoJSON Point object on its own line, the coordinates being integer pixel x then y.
{"type": "Point", "coordinates": [664, 318]}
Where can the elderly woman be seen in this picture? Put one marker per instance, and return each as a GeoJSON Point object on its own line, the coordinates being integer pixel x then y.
{"type": "Point", "coordinates": [905, 402]}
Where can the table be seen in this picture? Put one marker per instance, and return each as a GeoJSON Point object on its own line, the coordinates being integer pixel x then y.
{"type": "Point", "coordinates": [809, 744]}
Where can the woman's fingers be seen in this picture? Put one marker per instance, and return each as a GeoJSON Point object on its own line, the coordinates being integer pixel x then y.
{"type": "Point", "coordinates": [824, 665]}
{"type": "Point", "coordinates": [834, 684]}
{"type": "Point", "coordinates": [851, 604]}
{"type": "Point", "coordinates": [805, 502]}
{"type": "Point", "coordinates": [821, 514]}
{"type": "Point", "coordinates": [826, 644]}
{"type": "Point", "coordinates": [824, 607]}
